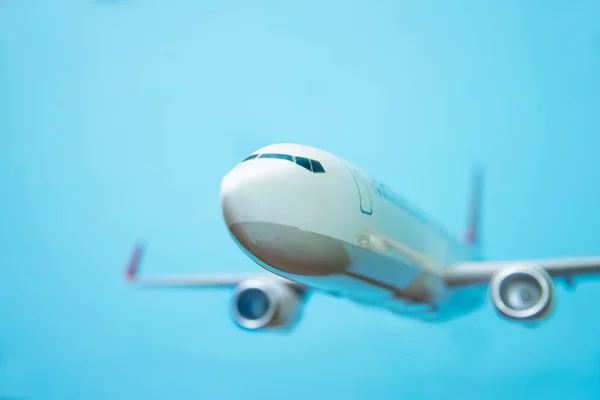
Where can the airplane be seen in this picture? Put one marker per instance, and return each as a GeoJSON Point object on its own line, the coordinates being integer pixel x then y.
{"type": "Point", "coordinates": [317, 223]}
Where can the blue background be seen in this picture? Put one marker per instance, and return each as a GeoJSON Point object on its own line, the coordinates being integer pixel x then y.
{"type": "Point", "coordinates": [118, 120]}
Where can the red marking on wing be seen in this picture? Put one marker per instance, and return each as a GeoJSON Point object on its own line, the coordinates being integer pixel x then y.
{"type": "Point", "coordinates": [470, 236]}
{"type": "Point", "coordinates": [134, 262]}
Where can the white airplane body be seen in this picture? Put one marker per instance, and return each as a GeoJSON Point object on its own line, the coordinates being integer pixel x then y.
{"type": "Point", "coordinates": [318, 223]}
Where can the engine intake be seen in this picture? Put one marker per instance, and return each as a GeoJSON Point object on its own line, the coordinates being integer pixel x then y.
{"type": "Point", "coordinates": [522, 292]}
{"type": "Point", "coordinates": [266, 304]}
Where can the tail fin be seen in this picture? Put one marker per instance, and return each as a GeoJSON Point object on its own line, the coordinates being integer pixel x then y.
{"type": "Point", "coordinates": [472, 234]}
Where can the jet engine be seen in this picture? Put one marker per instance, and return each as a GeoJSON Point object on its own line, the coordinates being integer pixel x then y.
{"type": "Point", "coordinates": [267, 304]}
{"type": "Point", "coordinates": [522, 292]}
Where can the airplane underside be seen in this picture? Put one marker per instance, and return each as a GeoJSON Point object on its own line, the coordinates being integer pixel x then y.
{"type": "Point", "coordinates": [346, 269]}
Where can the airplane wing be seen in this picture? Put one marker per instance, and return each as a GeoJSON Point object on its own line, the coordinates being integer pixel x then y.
{"type": "Point", "coordinates": [227, 280]}
{"type": "Point", "coordinates": [480, 272]}
{"type": "Point", "coordinates": [470, 273]}
{"type": "Point", "coordinates": [260, 301]}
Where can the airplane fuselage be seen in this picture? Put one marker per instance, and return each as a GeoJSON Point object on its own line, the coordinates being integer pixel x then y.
{"type": "Point", "coordinates": [310, 217]}
{"type": "Point", "coordinates": [315, 221]}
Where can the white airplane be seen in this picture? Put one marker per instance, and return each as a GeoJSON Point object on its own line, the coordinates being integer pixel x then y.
{"type": "Point", "coordinates": [315, 222]}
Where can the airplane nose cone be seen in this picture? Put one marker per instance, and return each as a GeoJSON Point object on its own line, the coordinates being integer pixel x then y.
{"type": "Point", "coordinates": [277, 218]}
{"type": "Point", "coordinates": [267, 191]}
{"type": "Point", "coordinates": [240, 196]}
{"type": "Point", "coordinates": [230, 198]}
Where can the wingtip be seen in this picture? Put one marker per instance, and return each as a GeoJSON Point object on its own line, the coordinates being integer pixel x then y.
{"type": "Point", "coordinates": [134, 262]}
{"type": "Point", "coordinates": [471, 235]}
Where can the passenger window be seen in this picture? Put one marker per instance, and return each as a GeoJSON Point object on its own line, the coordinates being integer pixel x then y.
{"type": "Point", "coordinates": [303, 162]}
{"type": "Point", "coordinates": [316, 166]}
{"type": "Point", "coordinates": [250, 157]}
{"type": "Point", "coordinates": [279, 156]}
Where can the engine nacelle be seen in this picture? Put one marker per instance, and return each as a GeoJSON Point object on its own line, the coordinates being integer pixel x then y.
{"type": "Point", "coordinates": [266, 304]}
{"type": "Point", "coordinates": [522, 292]}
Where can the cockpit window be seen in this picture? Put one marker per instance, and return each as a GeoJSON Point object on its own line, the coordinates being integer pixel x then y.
{"type": "Point", "coordinates": [280, 156]}
{"type": "Point", "coordinates": [316, 166]}
{"type": "Point", "coordinates": [307, 163]}
{"type": "Point", "coordinates": [303, 162]}
{"type": "Point", "coordinates": [250, 157]}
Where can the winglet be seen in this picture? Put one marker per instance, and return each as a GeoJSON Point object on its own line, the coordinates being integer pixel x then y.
{"type": "Point", "coordinates": [472, 234]}
{"type": "Point", "coordinates": [134, 262]}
